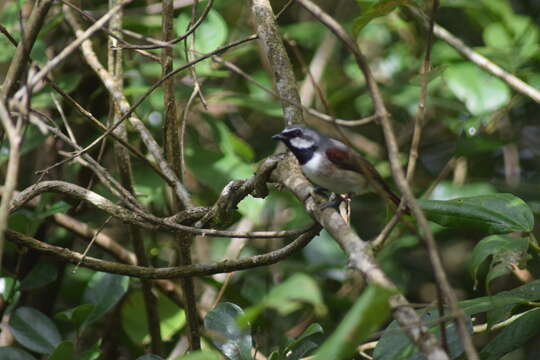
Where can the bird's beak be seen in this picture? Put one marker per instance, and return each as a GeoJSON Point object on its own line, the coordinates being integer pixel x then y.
{"type": "Point", "coordinates": [278, 136]}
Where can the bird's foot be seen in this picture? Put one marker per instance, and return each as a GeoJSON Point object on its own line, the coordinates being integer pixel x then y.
{"type": "Point", "coordinates": [334, 202]}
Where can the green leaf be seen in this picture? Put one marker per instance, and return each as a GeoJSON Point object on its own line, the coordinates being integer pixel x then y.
{"type": "Point", "coordinates": [289, 295]}
{"type": "Point", "coordinates": [312, 329]}
{"type": "Point", "coordinates": [93, 353]}
{"type": "Point", "coordinates": [506, 252]}
{"type": "Point", "coordinates": [210, 35]}
{"type": "Point", "coordinates": [103, 291]}
{"type": "Point", "coordinates": [303, 344]}
{"type": "Point", "coordinates": [478, 144]}
{"type": "Point", "coordinates": [494, 213]}
{"type": "Point", "coordinates": [504, 300]}
{"type": "Point", "coordinates": [381, 8]}
{"type": "Point", "coordinates": [307, 33]}
{"type": "Point", "coordinates": [41, 275]}
{"type": "Point", "coordinates": [34, 330]}
{"type": "Point", "coordinates": [135, 323]}
{"type": "Point", "coordinates": [369, 312]}
{"type": "Point", "coordinates": [64, 351]}
{"type": "Point", "coordinates": [149, 357]}
{"type": "Point", "coordinates": [446, 190]}
{"type": "Point", "coordinates": [76, 315]}
{"type": "Point", "coordinates": [233, 341]}
{"type": "Point", "coordinates": [395, 344]}
{"type": "Point", "coordinates": [57, 207]}
{"type": "Point", "coordinates": [496, 35]}
{"type": "Point", "coordinates": [513, 336]}
{"type": "Point", "coordinates": [13, 353]}
{"type": "Point", "coordinates": [482, 93]}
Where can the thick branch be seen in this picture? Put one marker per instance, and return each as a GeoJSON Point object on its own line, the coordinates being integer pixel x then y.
{"type": "Point", "coordinates": [279, 60]}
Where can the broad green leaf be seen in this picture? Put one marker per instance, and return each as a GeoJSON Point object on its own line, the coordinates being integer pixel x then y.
{"type": "Point", "coordinates": [41, 275]}
{"type": "Point", "coordinates": [135, 323]}
{"type": "Point", "coordinates": [513, 336]}
{"type": "Point", "coordinates": [34, 330]}
{"type": "Point", "coordinates": [76, 315]}
{"type": "Point", "coordinates": [13, 353]}
{"type": "Point", "coordinates": [369, 312]}
{"type": "Point", "coordinates": [103, 291]}
{"type": "Point", "coordinates": [380, 8]}
{"type": "Point", "coordinates": [64, 351]}
{"type": "Point", "coordinates": [482, 93]}
{"type": "Point", "coordinates": [289, 295]}
{"type": "Point", "coordinates": [506, 252]}
{"type": "Point", "coordinates": [522, 294]}
{"type": "Point", "coordinates": [497, 36]}
{"type": "Point", "coordinates": [494, 213]}
{"type": "Point", "coordinates": [210, 35]}
{"type": "Point", "coordinates": [225, 333]}
{"type": "Point", "coordinates": [396, 345]}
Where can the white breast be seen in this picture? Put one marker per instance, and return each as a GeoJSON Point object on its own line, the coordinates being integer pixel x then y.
{"type": "Point", "coordinates": [320, 171]}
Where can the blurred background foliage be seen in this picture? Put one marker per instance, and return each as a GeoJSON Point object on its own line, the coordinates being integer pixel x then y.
{"type": "Point", "coordinates": [490, 133]}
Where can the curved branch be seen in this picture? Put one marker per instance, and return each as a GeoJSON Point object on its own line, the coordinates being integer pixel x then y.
{"type": "Point", "coordinates": [146, 221]}
{"type": "Point", "coordinates": [167, 272]}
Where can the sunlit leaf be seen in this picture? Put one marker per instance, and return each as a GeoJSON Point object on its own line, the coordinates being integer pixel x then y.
{"type": "Point", "coordinates": [494, 213]}
{"type": "Point", "coordinates": [135, 321]}
{"type": "Point", "coordinates": [380, 8]}
{"type": "Point", "coordinates": [369, 312]}
{"type": "Point", "coordinates": [482, 93]}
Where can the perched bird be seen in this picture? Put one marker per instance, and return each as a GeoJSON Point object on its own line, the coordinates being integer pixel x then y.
{"type": "Point", "coordinates": [332, 165]}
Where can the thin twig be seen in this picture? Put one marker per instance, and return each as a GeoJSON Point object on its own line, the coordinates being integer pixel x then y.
{"type": "Point", "coordinates": [14, 135]}
{"type": "Point", "coordinates": [52, 63]}
{"type": "Point", "coordinates": [171, 42]}
{"type": "Point", "coordinates": [420, 115]}
{"type": "Point", "coordinates": [22, 54]}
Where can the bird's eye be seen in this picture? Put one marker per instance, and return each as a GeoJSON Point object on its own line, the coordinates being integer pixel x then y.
{"type": "Point", "coordinates": [296, 133]}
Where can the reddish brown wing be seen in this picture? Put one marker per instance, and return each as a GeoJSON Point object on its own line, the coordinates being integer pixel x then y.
{"type": "Point", "coordinates": [348, 160]}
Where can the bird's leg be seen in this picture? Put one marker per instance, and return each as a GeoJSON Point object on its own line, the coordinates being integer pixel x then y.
{"type": "Point", "coordinates": [334, 202]}
{"type": "Point", "coordinates": [316, 190]}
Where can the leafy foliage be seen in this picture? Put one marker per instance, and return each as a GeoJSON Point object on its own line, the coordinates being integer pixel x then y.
{"type": "Point", "coordinates": [478, 152]}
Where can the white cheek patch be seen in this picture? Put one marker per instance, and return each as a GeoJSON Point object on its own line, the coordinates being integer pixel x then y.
{"type": "Point", "coordinates": [301, 143]}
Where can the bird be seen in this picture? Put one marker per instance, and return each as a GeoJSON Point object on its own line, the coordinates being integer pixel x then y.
{"type": "Point", "coordinates": [330, 164]}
